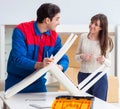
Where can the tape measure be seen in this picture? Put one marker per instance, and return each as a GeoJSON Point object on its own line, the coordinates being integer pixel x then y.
{"type": "Point", "coordinates": [72, 102]}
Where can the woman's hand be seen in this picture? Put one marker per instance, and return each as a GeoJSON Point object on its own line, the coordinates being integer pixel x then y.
{"type": "Point", "coordinates": [101, 59]}
{"type": "Point", "coordinates": [86, 57]}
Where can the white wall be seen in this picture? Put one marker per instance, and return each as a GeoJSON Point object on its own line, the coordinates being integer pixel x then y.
{"type": "Point", "coordinates": [72, 11]}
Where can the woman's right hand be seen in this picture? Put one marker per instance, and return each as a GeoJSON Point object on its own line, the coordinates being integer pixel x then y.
{"type": "Point", "coordinates": [86, 57]}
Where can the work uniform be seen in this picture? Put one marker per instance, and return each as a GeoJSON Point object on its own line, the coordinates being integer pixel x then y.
{"type": "Point", "coordinates": [29, 45]}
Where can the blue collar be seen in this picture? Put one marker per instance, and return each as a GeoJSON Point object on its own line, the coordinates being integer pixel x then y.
{"type": "Point", "coordinates": [37, 31]}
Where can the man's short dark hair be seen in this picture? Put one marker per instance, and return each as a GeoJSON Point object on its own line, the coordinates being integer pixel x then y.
{"type": "Point", "coordinates": [47, 10]}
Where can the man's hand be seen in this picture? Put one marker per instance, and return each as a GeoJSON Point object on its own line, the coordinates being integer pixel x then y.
{"type": "Point", "coordinates": [45, 62]}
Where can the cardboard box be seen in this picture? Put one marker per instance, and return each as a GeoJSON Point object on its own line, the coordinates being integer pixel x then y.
{"type": "Point", "coordinates": [72, 74]}
{"type": "Point", "coordinates": [113, 89]}
{"type": "Point", "coordinates": [2, 85]}
{"type": "Point", "coordinates": [72, 51]}
{"type": "Point", "coordinates": [74, 66]}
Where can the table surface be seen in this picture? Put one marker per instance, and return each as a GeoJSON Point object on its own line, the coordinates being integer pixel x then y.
{"type": "Point", "coordinates": [25, 100]}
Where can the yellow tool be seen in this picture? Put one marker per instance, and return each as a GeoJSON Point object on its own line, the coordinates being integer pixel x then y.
{"type": "Point", "coordinates": [72, 102]}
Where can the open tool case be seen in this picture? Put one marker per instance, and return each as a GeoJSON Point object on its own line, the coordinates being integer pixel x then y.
{"type": "Point", "coordinates": [73, 102]}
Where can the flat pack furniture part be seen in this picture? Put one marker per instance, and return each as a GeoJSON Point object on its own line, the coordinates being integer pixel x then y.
{"type": "Point", "coordinates": [70, 86]}
{"type": "Point", "coordinates": [83, 87]}
{"type": "Point", "coordinates": [37, 74]}
{"type": "Point", "coordinates": [58, 56]}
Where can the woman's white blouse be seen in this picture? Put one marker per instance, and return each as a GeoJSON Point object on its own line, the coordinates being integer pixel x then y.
{"type": "Point", "coordinates": [87, 46]}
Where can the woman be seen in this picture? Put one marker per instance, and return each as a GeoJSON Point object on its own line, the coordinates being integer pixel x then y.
{"type": "Point", "coordinates": [94, 50]}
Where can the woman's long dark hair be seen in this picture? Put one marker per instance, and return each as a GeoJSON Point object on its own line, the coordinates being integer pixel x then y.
{"type": "Point", "coordinates": [105, 41]}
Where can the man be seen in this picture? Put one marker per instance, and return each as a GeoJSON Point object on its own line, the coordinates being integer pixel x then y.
{"type": "Point", "coordinates": [32, 45]}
